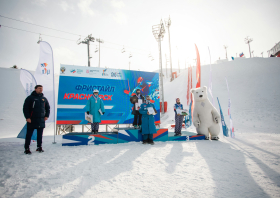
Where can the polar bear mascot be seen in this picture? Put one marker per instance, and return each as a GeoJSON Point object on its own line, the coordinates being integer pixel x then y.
{"type": "Point", "coordinates": [206, 118]}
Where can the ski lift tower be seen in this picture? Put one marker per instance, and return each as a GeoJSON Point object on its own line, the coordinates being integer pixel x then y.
{"type": "Point", "coordinates": [87, 41]}
{"type": "Point", "coordinates": [158, 31]}
{"type": "Point", "coordinates": [168, 24]}
{"type": "Point", "coordinates": [248, 41]}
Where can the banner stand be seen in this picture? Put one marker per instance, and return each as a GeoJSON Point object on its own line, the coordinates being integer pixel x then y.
{"type": "Point", "coordinates": [44, 68]}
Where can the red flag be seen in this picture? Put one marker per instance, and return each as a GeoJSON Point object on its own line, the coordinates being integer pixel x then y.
{"type": "Point", "coordinates": [188, 90]}
{"type": "Point", "coordinates": [198, 72]}
{"type": "Point", "coordinates": [191, 80]}
{"type": "Point", "coordinates": [191, 83]}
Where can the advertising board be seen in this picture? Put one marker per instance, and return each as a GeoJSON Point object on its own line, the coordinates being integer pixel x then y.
{"type": "Point", "coordinates": [76, 85]}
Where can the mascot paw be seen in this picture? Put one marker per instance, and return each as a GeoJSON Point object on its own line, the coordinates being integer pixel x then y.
{"type": "Point", "coordinates": [215, 138]}
{"type": "Point", "coordinates": [206, 138]}
{"type": "Point", "coordinates": [197, 124]}
{"type": "Point", "coordinates": [216, 120]}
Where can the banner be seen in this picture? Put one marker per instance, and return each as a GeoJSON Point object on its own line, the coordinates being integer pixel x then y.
{"type": "Point", "coordinates": [188, 89]}
{"type": "Point", "coordinates": [76, 85]}
{"type": "Point", "coordinates": [229, 113]}
{"type": "Point", "coordinates": [44, 76]}
{"type": "Point", "coordinates": [191, 106]}
{"type": "Point", "coordinates": [210, 79]}
{"type": "Point", "coordinates": [224, 126]}
{"type": "Point", "coordinates": [191, 83]}
{"type": "Point", "coordinates": [198, 71]}
{"type": "Point", "coordinates": [28, 82]}
{"type": "Point", "coordinates": [190, 113]}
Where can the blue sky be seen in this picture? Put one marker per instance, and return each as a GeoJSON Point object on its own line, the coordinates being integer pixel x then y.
{"type": "Point", "coordinates": [129, 24]}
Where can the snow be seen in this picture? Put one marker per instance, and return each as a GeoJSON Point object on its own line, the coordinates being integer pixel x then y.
{"type": "Point", "coordinates": [245, 166]}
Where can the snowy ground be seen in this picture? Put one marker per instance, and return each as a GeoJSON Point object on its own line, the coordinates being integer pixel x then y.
{"type": "Point", "coordinates": [247, 166]}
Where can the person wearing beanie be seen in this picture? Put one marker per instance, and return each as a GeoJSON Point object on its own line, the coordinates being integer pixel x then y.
{"type": "Point", "coordinates": [178, 118]}
{"type": "Point", "coordinates": [148, 121]}
{"type": "Point", "coordinates": [137, 121]}
{"type": "Point", "coordinates": [95, 107]}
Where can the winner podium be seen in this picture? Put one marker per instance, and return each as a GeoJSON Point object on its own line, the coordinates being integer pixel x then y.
{"type": "Point", "coordinates": [124, 135]}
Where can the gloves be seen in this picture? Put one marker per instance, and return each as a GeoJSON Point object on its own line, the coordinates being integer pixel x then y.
{"type": "Point", "coordinates": [88, 112]}
{"type": "Point", "coordinates": [103, 113]}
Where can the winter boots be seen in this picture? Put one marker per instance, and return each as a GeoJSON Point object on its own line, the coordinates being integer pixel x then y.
{"type": "Point", "coordinates": [137, 127]}
{"type": "Point", "coordinates": [148, 141]}
{"type": "Point", "coordinates": [94, 131]}
{"type": "Point", "coordinates": [27, 151]}
{"type": "Point", "coordinates": [151, 142]}
{"type": "Point", "coordinates": [40, 150]}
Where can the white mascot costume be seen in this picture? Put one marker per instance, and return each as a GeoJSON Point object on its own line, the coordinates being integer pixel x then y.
{"type": "Point", "coordinates": [206, 118]}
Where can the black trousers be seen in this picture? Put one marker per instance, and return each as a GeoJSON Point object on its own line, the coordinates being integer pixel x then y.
{"type": "Point", "coordinates": [137, 117]}
{"type": "Point", "coordinates": [29, 135]}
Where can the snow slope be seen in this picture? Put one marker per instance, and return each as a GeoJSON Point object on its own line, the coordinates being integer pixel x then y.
{"type": "Point", "coordinates": [11, 103]}
{"type": "Point", "coordinates": [247, 166]}
{"type": "Point", "coordinates": [254, 92]}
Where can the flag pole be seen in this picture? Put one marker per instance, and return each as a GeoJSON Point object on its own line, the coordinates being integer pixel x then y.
{"type": "Point", "coordinates": [54, 124]}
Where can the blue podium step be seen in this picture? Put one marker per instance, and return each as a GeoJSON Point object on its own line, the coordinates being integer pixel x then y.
{"type": "Point", "coordinates": [124, 135]}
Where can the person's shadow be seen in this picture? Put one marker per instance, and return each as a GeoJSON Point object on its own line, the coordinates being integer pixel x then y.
{"type": "Point", "coordinates": [85, 169]}
{"type": "Point", "coordinates": [175, 156]}
{"type": "Point", "coordinates": [229, 170]}
{"type": "Point", "coordinates": [120, 163]}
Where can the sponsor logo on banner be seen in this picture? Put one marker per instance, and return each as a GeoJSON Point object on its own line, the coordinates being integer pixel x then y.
{"type": "Point", "coordinates": [62, 70]}
{"type": "Point", "coordinates": [73, 71]}
{"type": "Point", "coordinates": [45, 70]}
{"type": "Point", "coordinates": [104, 72]}
{"type": "Point", "coordinates": [79, 71]}
{"type": "Point", "coordinates": [93, 71]}
{"type": "Point", "coordinates": [116, 74]}
{"type": "Point", "coordinates": [87, 71]}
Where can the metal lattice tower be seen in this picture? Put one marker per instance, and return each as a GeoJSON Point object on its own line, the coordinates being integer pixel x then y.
{"type": "Point", "coordinates": [168, 24]}
{"type": "Point", "coordinates": [87, 41]}
{"type": "Point", "coordinates": [225, 46]}
{"type": "Point", "coordinates": [99, 41]}
{"type": "Point", "coordinates": [159, 31]}
{"type": "Point", "coordinates": [248, 41]}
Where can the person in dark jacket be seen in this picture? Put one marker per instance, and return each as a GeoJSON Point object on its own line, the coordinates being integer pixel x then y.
{"type": "Point", "coordinates": [137, 116]}
{"type": "Point", "coordinates": [178, 118]}
{"type": "Point", "coordinates": [36, 110]}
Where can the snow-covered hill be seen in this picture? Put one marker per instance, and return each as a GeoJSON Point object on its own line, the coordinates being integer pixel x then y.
{"type": "Point", "coordinates": [254, 92]}
{"type": "Point", "coordinates": [246, 166]}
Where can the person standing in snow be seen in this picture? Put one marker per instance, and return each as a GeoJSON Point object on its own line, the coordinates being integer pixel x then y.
{"type": "Point", "coordinates": [36, 110]}
{"type": "Point", "coordinates": [95, 107]}
{"type": "Point", "coordinates": [178, 118]}
{"type": "Point", "coordinates": [137, 116]}
{"type": "Point", "coordinates": [148, 121]}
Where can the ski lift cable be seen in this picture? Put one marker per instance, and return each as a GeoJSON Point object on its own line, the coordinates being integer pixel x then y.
{"type": "Point", "coordinates": [36, 33]}
{"type": "Point", "coordinates": [57, 37]}
{"type": "Point", "coordinates": [38, 25]}
{"type": "Point", "coordinates": [62, 31]}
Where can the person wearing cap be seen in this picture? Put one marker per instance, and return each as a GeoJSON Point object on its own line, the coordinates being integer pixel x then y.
{"type": "Point", "coordinates": [178, 118]}
{"type": "Point", "coordinates": [95, 107]}
{"type": "Point", "coordinates": [137, 116]}
{"type": "Point", "coordinates": [148, 121]}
